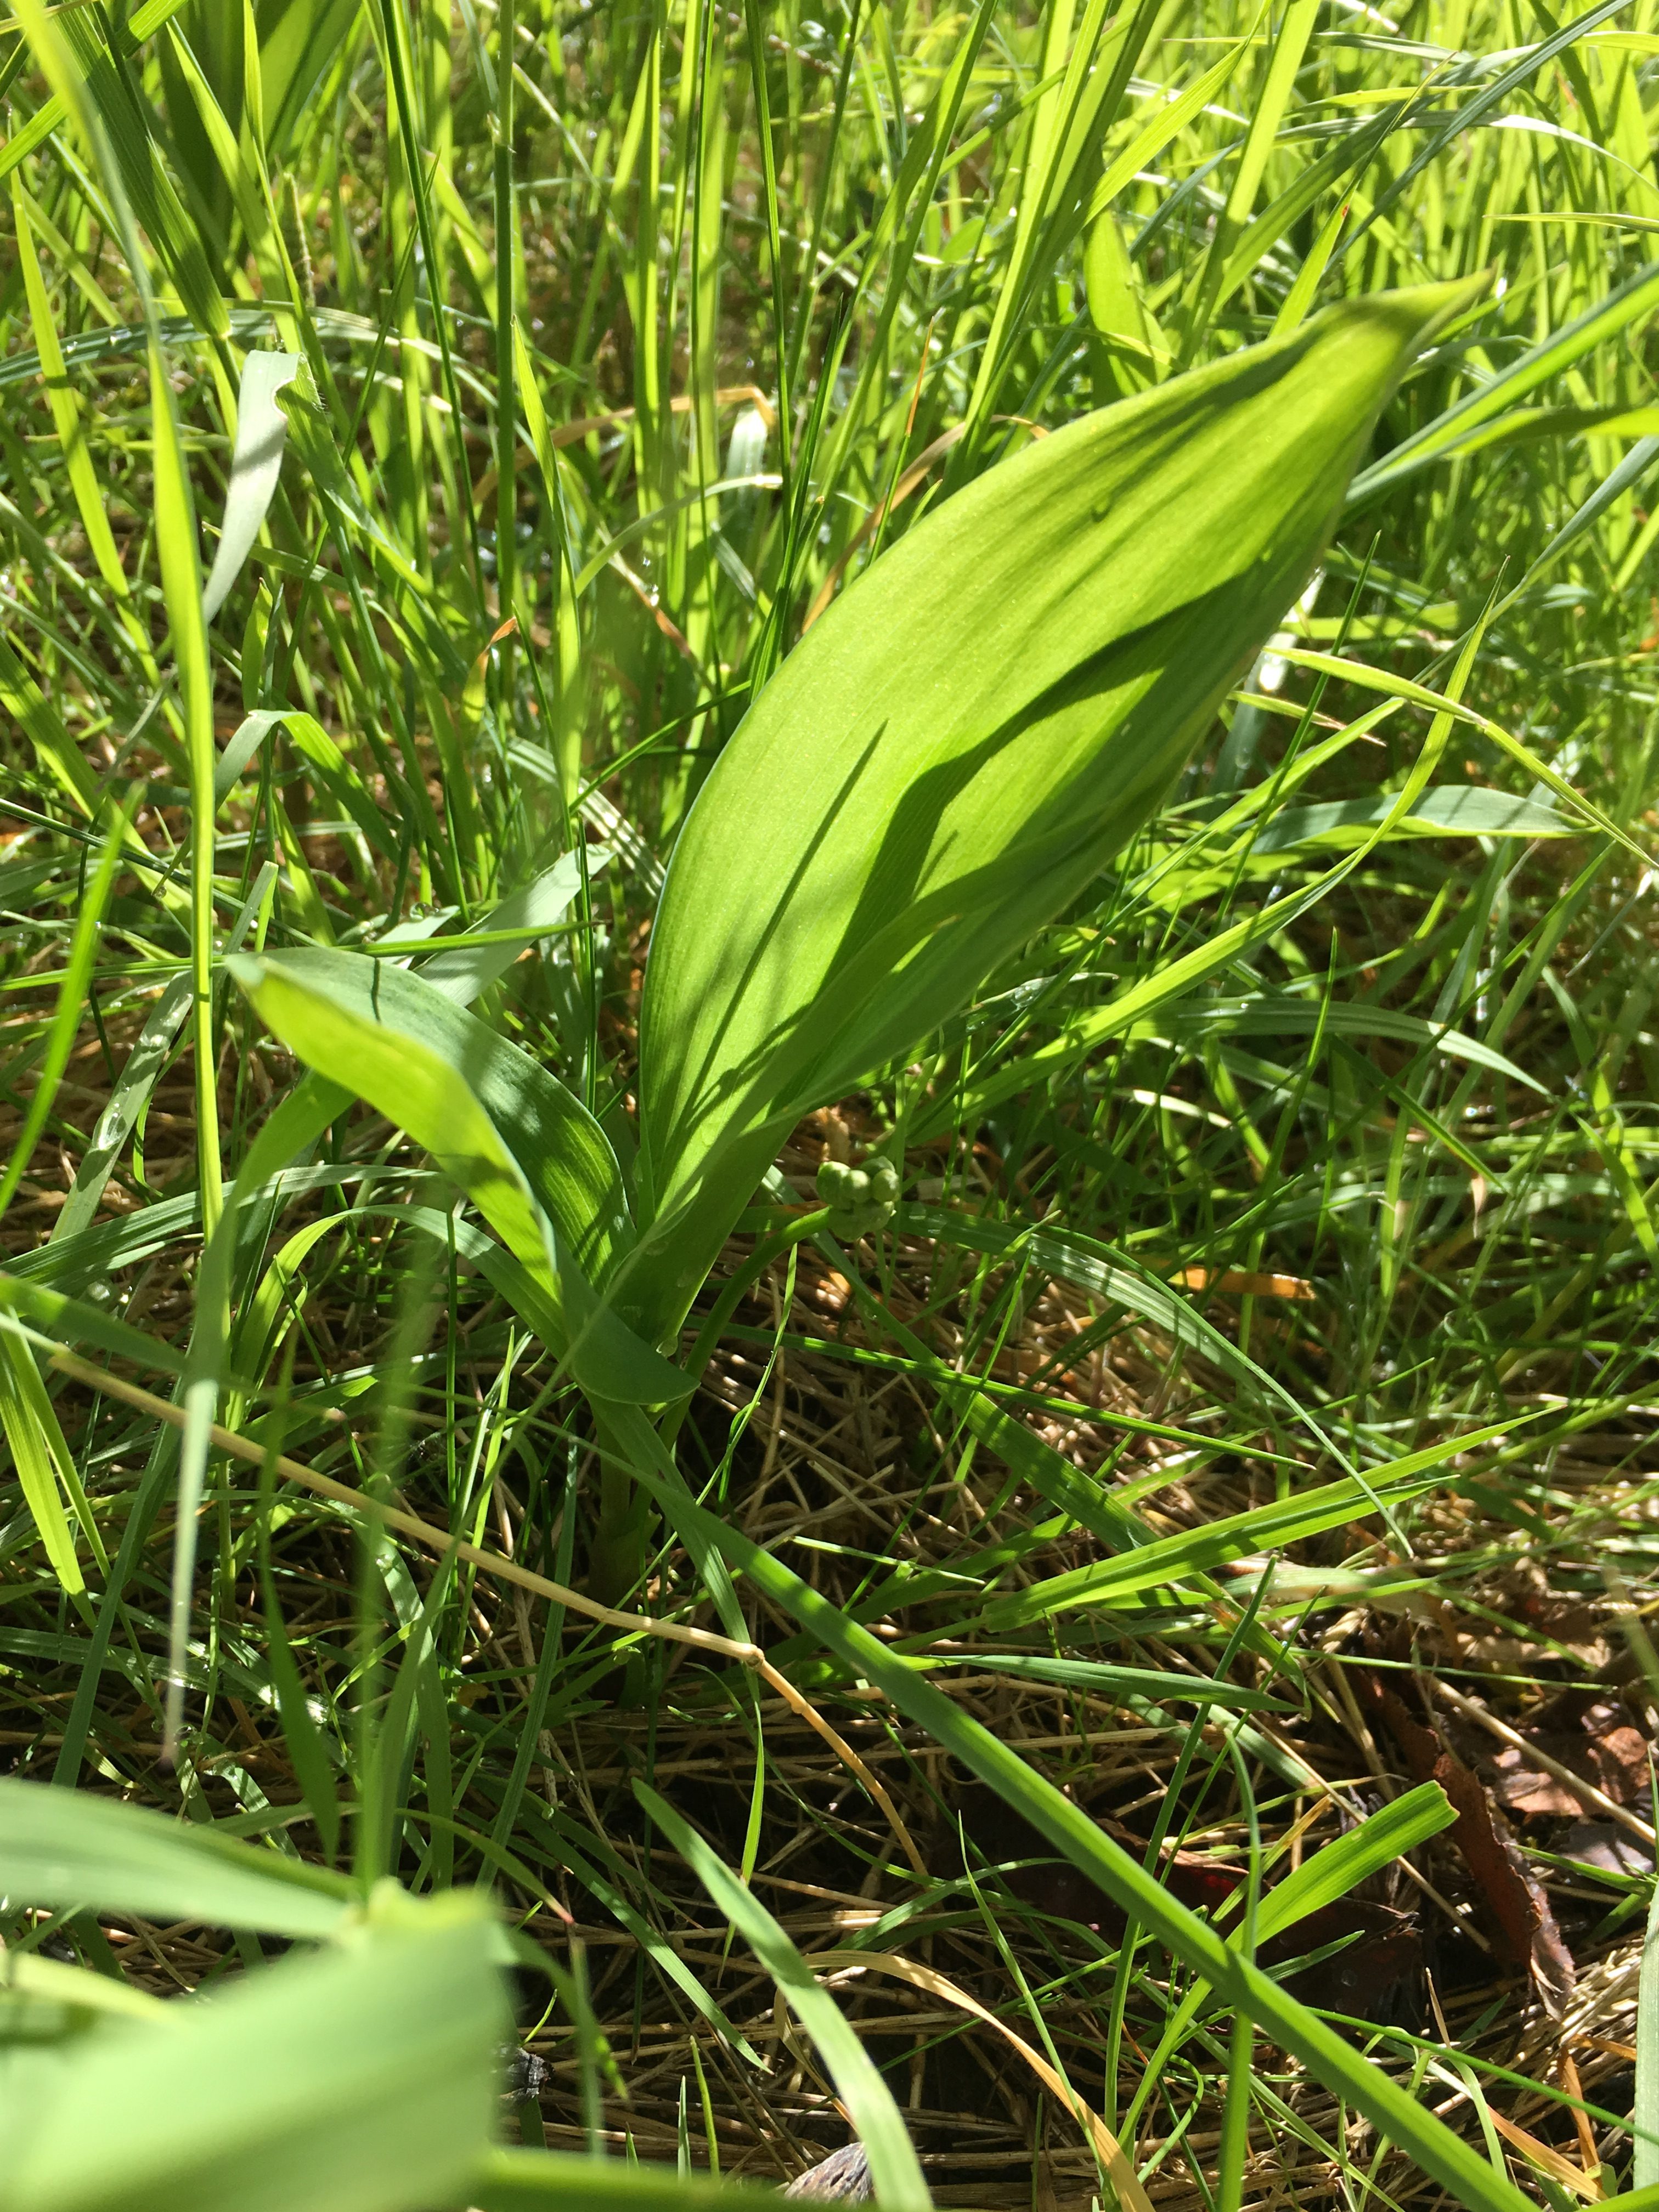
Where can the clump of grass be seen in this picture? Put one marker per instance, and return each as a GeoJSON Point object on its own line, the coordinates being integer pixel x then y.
{"type": "Point", "coordinates": [1245, 1314]}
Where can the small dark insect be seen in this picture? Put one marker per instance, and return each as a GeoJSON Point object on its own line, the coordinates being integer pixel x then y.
{"type": "Point", "coordinates": [844, 2175]}
{"type": "Point", "coordinates": [527, 2075]}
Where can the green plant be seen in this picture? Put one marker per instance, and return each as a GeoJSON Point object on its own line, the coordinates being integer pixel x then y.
{"type": "Point", "coordinates": [1238, 1215]}
{"type": "Point", "coordinates": [940, 766]}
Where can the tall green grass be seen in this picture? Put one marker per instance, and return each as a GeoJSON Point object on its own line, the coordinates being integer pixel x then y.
{"type": "Point", "coordinates": [427, 435]}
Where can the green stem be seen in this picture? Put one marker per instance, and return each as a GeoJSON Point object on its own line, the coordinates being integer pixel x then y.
{"type": "Point", "coordinates": [617, 1559]}
{"type": "Point", "coordinates": [202, 808]}
{"type": "Point", "coordinates": [506, 503]}
{"type": "Point", "coordinates": [732, 1292]}
{"type": "Point", "coordinates": [615, 1556]}
{"type": "Point", "coordinates": [1234, 2118]}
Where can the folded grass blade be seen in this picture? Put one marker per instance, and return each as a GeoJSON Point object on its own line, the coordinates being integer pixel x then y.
{"type": "Point", "coordinates": [46, 1466]}
{"type": "Point", "coordinates": [1213, 1543]}
{"type": "Point", "coordinates": [255, 465]}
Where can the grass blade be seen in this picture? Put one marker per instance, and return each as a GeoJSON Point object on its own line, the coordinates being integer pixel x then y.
{"type": "Point", "coordinates": [893, 2169]}
{"type": "Point", "coordinates": [59, 1847]}
{"type": "Point", "coordinates": [1071, 1831]}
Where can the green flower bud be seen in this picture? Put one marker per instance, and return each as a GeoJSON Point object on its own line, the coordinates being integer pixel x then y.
{"type": "Point", "coordinates": [861, 1199]}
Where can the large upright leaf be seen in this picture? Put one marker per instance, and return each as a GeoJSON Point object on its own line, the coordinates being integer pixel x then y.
{"type": "Point", "coordinates": [967, 738]}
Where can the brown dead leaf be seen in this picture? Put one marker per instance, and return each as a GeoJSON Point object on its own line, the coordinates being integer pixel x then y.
{"type": "Point", "coordinates": [1519, 1787]}
{"type": "Point", "coordinates": [1511, 1889]}
{"type": "Point", "coordinates": [1514, 1891]}
{"type": "Point", "coordinates": [1605, 1749]}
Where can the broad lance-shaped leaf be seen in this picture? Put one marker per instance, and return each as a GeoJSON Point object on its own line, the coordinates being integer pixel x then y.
{"type": "Point", "coordinates": [966, 738]}
{"type": "Point", "coordinates": [530, 1157]}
